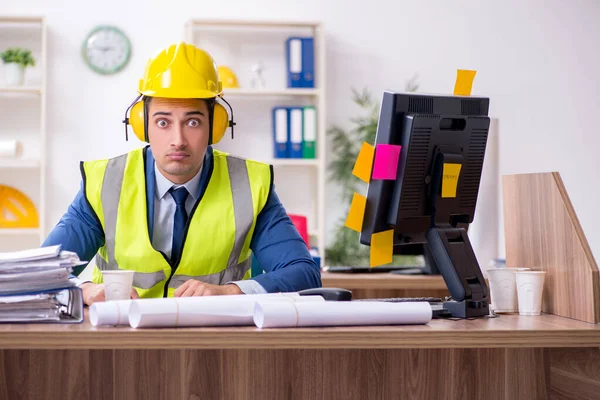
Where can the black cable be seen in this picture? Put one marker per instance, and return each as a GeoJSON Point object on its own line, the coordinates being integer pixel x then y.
{"type": "Point", "coordinates": [126, 120]}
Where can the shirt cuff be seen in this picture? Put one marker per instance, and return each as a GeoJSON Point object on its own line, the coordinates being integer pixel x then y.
{"type": "Point", "coordinates": [249, 287]}
{"type": "Point", "coordinates": [78, 282]}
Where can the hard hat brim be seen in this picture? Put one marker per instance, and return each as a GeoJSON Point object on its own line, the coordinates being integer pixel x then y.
{"type": "Point", "coordinates": [181, 93]}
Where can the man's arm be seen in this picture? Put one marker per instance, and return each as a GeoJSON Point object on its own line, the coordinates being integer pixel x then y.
{"type": "Point", "coordinates": [78, 230]}
{"type": "Point", "coordinates": [281, 252]}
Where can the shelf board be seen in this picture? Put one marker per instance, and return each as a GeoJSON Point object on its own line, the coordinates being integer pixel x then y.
{"type": "Point", "coordinates": [18, 164]}
{"type": "Point", "coordinates": [19, 231]}
{"type": "Point", "coordinates": [19, 19]}
{"type": "Point", "coordinates": [20, 89]}
{"type": "Point", "coordinates": [270, 92]}
{"type": "Point", "coordinates": [198, 23]}
{"type": "Point", "coordinates": [294, 162]}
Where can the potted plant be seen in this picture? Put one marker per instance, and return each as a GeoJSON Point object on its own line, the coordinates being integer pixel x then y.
{"type": "Point", "coordinates": [15, 61]}
{"type": "Point", "coordinates": [345, 248]}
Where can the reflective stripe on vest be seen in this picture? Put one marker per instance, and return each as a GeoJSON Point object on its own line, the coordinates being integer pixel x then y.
{"type": "Point", "coordinates": [110, 195]}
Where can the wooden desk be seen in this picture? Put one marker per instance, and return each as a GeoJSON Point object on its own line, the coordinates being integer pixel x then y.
{"type": "Point", "coordinates": [373, 285]}
{"type": "Point", "coordinates": [510, 357]}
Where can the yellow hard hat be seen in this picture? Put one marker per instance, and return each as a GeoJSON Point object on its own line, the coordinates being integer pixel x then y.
{"type": "Point", "coordinates": [181, 71]}
{"type": "Point", "coordinates": [228, 77]}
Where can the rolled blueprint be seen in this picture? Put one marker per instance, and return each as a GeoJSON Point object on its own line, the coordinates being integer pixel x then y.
{"type": "Point", "coordinates": [110, 313]}
{"type": "Point", "coordinates": [117, 312]}
{"type": "Point", "coordinates": [331, 313]}
{"type": "Point", "coordinates": [204, 311]}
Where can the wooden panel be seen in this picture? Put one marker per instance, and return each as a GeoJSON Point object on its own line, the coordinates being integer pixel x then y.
{"type": "Point", "coordinates": [543, 233]}
{"type": "Point", "coordinates": [472, 374]}
{"type": "Point", "coordinates": [526, 374]}
{"type": "Point", "coordinates": [346, 374]}
{"type": "Point", "coordinates": [145, 374]}
{"type": "Point", "coordinates": [14, 374]}
{"type": "Point", "coordinates": [574, 373]}
{"type": "Point", "coordinates": [101, 382]}
{"type": "Point", "coordinates": [59, 374]}
{"type": "Point", "coordinates": [202, 373]}
{"type": "Point", "coordinates": [505, 331]}
{"type": "Point", "coordinates": [383, 281]}
{"type": "Point", "coordinates": [296, 374]}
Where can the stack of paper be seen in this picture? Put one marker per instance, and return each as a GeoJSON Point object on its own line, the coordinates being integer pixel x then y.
{"type": "Point", "coordinates": [35, 286]}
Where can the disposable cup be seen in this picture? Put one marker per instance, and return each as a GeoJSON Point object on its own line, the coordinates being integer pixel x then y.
{"type": "Point", "coordinates": [530, 287]}
{"type": "Point", "coordinates": [117, 284]}
{"type": "Point", "coordinates": [503, 290]}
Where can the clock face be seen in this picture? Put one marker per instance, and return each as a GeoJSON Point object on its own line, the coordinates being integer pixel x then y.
{"type": "Point", "coordinates": [106, 50]}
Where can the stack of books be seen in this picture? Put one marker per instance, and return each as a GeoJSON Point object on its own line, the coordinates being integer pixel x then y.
{"type": "Point", "coordinates": [35, 286]}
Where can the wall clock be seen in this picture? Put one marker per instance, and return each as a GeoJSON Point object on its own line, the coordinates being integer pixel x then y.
{"type": "Point", "coordinates": [106, 50]}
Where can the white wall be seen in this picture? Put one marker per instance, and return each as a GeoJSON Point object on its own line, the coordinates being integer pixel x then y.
{"type": "Point", "coordinates": [537, 60]}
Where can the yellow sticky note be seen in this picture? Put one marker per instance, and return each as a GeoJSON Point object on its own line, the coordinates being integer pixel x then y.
{"type": "Point", "coordinates": [450, 176]}
{"type": "Point", "coordinates": [382, 248]}
{"type": "Point", "coordinates": [464, 82]}
{"type": "Point", "coordinates": [356, 214]}
{"type": "Point", "coordinates": [364, 162]}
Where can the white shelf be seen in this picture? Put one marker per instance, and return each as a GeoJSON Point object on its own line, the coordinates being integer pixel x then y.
{"type": "Point", "coordinates": [270, 92]}
{"type": "Point", "coordinates": [19, 231]}
{"type": "Point", "coordinates": [197, 23]}
{"type": "Point", "coordinates": [34, 164]}
{"type": "Point", "coordinates": [19, 164]}
{"type": "Point", "coordinates": [20, 90]}
{"type": "Point", "coordinates": [294, 162]}
{"type": "Point", "coordinates": [273, 33]}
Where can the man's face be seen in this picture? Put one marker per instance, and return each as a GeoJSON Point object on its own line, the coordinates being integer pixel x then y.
{"type": "Point", "coordinates": [178, 131]}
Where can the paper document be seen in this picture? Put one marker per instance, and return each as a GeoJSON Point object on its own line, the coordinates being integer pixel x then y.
{"type": "Point", "coordinates": [117, 312]}
{"type": "Point", "coordinates": [332, 313]}
{"type": "Point", "coordinates": [192, 311]}
{"type": "Point", "coordinates": [35, 286]}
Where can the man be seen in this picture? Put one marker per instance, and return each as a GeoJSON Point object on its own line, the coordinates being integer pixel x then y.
{"type": "Point", "coordinates": [186, 218]}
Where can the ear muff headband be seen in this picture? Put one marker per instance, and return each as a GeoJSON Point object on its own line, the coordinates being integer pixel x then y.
{"type": "Point", "coordinates": [138, 119]}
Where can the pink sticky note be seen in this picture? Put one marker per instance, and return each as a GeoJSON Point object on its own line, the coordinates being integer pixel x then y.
{"type": "Point", "coordinates": [386, 161]}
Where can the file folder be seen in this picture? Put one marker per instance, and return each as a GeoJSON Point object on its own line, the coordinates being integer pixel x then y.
{"type": "Point", "coordinates": [280, 132]}
{"type": "Point", "coordinates": [295, 128]}
{"type": "Point", "coordinates": [58, 305]}
{"type": "Point", "coordinates": [300, 62]}
{"type": "Point", "coordinates": [309, 132]}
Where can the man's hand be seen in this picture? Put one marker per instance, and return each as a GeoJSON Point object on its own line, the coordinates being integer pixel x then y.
{"type": "Point", "coordinates": [93, 292]}
{"type": "Point", "coordinates": [198, 288]}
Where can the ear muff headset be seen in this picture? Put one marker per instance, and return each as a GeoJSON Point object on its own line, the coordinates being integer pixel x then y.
{"type": "Point", "coordinates": [219, 119]}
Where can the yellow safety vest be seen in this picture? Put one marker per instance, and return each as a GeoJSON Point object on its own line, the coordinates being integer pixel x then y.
{"type": "Point", "coordinates": [218, 233]}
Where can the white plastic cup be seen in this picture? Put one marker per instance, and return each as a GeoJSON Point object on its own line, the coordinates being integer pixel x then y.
{"type": "Point", "coordinates": [118, 284]}
{"type": "Point", "coordinates": [530, 287]}
{"type": "Point", "coordinates": [503, 290]}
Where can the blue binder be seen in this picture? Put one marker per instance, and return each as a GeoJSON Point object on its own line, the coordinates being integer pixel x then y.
{"type": "Point", "coordinates": [281, 132]}
{"type": "Point", "coordinates": [300, 62]}
{"type": "Point", "coordinates": [295, 127]}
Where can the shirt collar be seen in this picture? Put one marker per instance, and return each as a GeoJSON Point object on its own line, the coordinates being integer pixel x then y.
{"type": "Point", "coordinates": [163, 184]}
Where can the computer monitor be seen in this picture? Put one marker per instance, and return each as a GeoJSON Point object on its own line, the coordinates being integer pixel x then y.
{"type": "Point", "coordinates": [431, 202]}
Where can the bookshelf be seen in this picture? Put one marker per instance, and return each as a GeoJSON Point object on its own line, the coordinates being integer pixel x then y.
{"type": "Point", "coordinates": [239, 44]}
{"type": "Point", "coordinates": [23, 111]}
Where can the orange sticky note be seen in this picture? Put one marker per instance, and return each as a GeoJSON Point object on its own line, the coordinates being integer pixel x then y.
{"type": "Point", "coordinates": [356, 214]}
{"type": "Point", "coordinates": [364, 162]}
{"type": "Point", "coordinates": [450, 175]}
{"type": "Point", "coordinates": [464, 82]}
{"type": "Point", "coordinates": [382, 248]}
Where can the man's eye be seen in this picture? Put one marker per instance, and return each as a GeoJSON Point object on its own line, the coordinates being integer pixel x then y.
{"type": "Point", "coordinates": [162, 123]}
{"type": "Point", "coordinates": [193, 123]}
